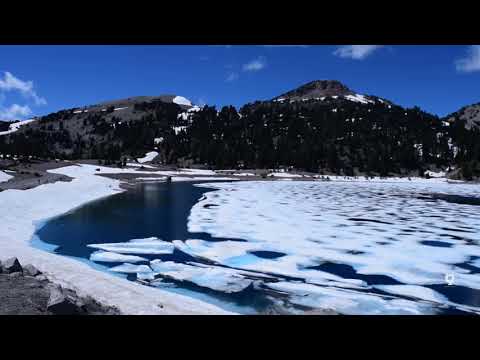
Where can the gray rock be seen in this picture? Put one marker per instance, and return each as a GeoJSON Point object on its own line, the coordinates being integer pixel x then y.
{"type": "Point", "coordinates": [15, 274]}
{"type": "Point", "coordinates": [12, 265]}
{"type": "Point", "coordinates": [41, 277]}
{"type": "Point", "coordinates": [31, 270]}
{"type": "Point", "coordinates": [61, 304]}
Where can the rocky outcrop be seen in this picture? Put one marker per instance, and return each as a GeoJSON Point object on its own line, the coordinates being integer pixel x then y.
{"type": "Point", "coordinates": [11, 265]}
{"type": "Point", "coordinates": [24, 290]}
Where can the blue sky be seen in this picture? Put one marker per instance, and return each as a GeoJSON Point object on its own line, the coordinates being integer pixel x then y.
{"type": "Point", "coordinates": [37, 80]}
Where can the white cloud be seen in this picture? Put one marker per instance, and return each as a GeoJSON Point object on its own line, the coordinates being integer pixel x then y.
{"type": "Point", "coordinates": [356, 52]}
{"type": "Point", "coordinates": [471, 62]}
{"type": "Point", "coordinates": [12, 83]}
{"type": "Point", "coordinates": [255, 65]}
{"type": "Point", "coordinates": [231, 77]}
{"type": "Point", "coordinates": [14, 112]}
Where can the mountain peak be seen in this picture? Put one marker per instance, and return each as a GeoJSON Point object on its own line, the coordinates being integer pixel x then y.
{"type": "Point", "coordinates": [317, 89]}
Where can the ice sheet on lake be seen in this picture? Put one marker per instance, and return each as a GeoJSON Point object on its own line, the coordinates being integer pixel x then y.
{"type": "Point", "coordinates": [377, 228]}
{"type": "Point", "coordinates": [419, 292]}
{"type": "Point", "coordinates": [131, 269]}
{"type": "Point", "coordinates": [349, 302]}
{"type": "Point", "coordinates": [153, 246]}
{"type": "Point", "coordinates": [212, 277]}
{"type": "Point", "coordinates": [107, 256]}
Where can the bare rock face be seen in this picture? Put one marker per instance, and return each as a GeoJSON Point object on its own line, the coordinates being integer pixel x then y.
{"type": "Point", "coordinates": [31, 270]}
{"type": "Point", "coordinates": [26, 291]}
{"type": "Point", "coordinates": [317, 89]}
{"type": "Point", "coordinates": [470, 114]}
{"type": "Point", "coordinates": [12, 265]}
{"type": "Point", "coordinates": [61, 304]}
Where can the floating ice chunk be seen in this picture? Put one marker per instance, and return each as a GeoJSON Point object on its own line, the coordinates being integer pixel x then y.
{"type": "Point", "coordinates": [131, 269]}
{"type": "Point", "coordinates": [146, 275]}
{"type": "Point", "coordinates": [212, 277]}
{"type": "Point", "coordinates": [106, 256]}
{"type": "Point", "coordinates": [418, 292]}
{"type": "Point", "coordinates": [148, 157]}
{"type": "Point", "coordinates": [219, 251]}
{"type": "Point", "coordinates": [348, 301]}
{"type": "Point", "coordinates": [152, 246]}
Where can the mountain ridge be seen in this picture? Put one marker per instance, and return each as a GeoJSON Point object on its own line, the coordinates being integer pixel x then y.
{"type": "Point", "coordinates": [343, 131]}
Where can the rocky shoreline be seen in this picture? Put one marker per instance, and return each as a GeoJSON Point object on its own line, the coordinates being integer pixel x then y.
{"type": "Point", "coordinates": [24, 290]}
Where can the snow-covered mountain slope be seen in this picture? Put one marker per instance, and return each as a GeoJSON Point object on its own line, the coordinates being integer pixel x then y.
{"type": "Point", "coordinates": [16, 125]}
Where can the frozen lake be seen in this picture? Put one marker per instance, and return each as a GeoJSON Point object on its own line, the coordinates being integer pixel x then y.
{"type": "Point", "coordinates": [355, 247]}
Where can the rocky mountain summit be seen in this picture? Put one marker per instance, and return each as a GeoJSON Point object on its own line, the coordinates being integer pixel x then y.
{"type": "Point", "coordinates": [326, 90]}
{"type": "Point", "coordinates": [317, 89]}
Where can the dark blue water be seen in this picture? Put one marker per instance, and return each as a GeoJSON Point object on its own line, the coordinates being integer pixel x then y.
{"type": "Point", "coordinates": [148, 210]}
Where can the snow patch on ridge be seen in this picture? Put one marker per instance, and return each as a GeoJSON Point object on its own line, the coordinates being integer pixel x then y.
{"type": "Point", "coordinates": [15, 126]}
{"type": "Point", "coordinates": [180, 100]}
{"type": "Point", "coordinates": [148, 157]}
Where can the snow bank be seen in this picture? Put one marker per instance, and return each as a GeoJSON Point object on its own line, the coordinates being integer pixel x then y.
{"type": "Point", "coordinates": [141, 165]}
{"type": "Point", "coordinates": [435, 174]}
{"type": "Point", "coordinates": [284, 175]}
{"type": "Point", "coordinates": [4, 176]}
{"type": "Point", "coordinates": [23, 210]}
{"type": "Point", "coordinates": [148, 157]}
{"type": "Point", "coordinates": [199, 171]}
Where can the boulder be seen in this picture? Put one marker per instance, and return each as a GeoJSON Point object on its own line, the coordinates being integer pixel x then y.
{"type": "Point", "coordinates": [31, 270]}
{"type": "Point", "coordinates": [61, 304]}
{"type": "Point", "coordinates": [41, 277]}
{"type": "Point", "coordinates": [12, 265]}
